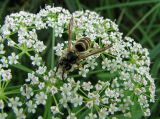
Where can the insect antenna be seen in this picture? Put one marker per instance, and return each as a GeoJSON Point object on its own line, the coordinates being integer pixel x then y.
{"type": "Point", "coordinates": [70, 28]}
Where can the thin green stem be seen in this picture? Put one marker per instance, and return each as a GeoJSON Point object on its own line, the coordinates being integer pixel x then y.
{"type": "Point", "coordinates": [12, 92]}
{"type": "Point", "coordinates": [52, 51]}
{"type": "Point", "coordinates": [83, 92]}
{"type": "Point", "coordinates": [80, 110]}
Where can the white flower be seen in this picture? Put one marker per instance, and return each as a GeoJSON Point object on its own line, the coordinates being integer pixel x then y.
{"type": "Point", "coordinates": [31, 106]}
{"type": "Point", "coordinates": [41, 98]}
{"type": "Point", "coordinates": [105, 63]}
{"type": "Point", "coordinates": [40, 117]}
{"type": "Point", "coordinates": [143, 101]}
{"type": "Point", "coordinates": [89, 104]}
{"type": "Point", "coordinates": [19, 113]}
{"type": "Point", "coordinates": [41, 85]}
{"type": "Point", "coordinates": [98, 87]}
{"type": "Point", "coordinates": [3, 115]}
{"type": "Point", "coordinates": [4, 61]}
{"type": "Point", "coordinates": [66, 90]}
{"type": "Point", "coordinates": [54, 110]}
{"type": "Point", "coordinates": [6, 75]}
{"type": "Point", "coordinates": [36, 60]}
{"type": "Point", "coordinates": [58, 49]}
{"type": "Point", "coordinates": [53, 90]}
{"type": "Point", "coordinates": [147, 112]}
{"type": "Point", "coordinates": [112, 108]}
{"type": "Point", "coordinates": [83, 71]}
{"type": "Point", "coordinates": [11, 43]}
{"type": "Point", "coordinates": [87, 86]}
{"type": "Point", "coordinates": [32, 78]}
{"type": "Point", "coordinates": [12, 59]}
{"type": "Point", "coordinates": [41, 69]}
{"type": "Point", "coordinates": [128, 115]}
{"type": "Point", "coordinates": [92, 63]}
{"type": "Point", "coordinates": [39, 46]}
{"type": "Point", "coordinates": [72, 116]}
{"type": "Point", "coordinates": [105, 100]}
{"type": "Point", "coordinates": [77, 101]}
{"type": "Point", "coordinates": [95, 97]}
{"type": "Point", "coordinates": [26, 91]}
{"type": "Point", "coordinates": [103, 113]}
{"type": "Point", "coordinates": [2, 49]}
{"type": "Point", "coordinates": [14, 103]}
{"type": "Point", "coordinates": [91, 116]}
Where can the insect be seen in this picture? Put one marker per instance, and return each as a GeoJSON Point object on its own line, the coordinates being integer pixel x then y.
{"type": "Point", "coordinates": [77, 52]}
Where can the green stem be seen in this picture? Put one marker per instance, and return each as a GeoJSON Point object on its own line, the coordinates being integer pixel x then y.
{"type": "Point", "coordinates": [83, 92]}
{"type": "Point", "coordinates": [80, 110]}
{"type": "Point", "coordinates": [52, 51]}
{"type": "Point", "coordinates": [12, 92]}
{"type": "Point", "coordinates": [55, 100]}
{"type": "Point", "coordinates": [47, 113]}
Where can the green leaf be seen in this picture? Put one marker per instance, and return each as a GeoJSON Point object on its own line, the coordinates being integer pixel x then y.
{"type": "Point", "coordinates": [22, 67]}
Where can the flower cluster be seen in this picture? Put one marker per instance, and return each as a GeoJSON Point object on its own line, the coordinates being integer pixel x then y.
{"type": "Point", "coordinates": [126, 81]}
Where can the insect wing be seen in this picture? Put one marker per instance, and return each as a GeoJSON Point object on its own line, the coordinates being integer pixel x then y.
{"type": "Point", "coordinates": [93, 52]}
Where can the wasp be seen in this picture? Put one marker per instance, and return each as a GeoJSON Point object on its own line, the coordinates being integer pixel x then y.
{"type": "Point", "coordinates": [76, 52]}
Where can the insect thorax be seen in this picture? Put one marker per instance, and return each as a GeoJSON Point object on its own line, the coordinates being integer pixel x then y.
{"type": "Point", "coordinates": [67, 61]}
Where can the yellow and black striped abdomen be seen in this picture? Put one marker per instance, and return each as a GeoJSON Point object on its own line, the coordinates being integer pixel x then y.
{"type": "Point", "coordinates": [83, 44]}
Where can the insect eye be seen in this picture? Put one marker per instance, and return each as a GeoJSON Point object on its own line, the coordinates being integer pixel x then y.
{"type": "Point", "coordinates": [79, 48]}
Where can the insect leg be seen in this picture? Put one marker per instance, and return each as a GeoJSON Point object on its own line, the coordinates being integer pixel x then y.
{"type": "Point", "coordinates": [57, 68]}
{"type": "Point", "coordinates": [63, 74]}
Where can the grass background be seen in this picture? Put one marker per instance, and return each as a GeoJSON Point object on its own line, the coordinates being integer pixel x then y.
{"type": "Point", "coordinates": [139, 19]}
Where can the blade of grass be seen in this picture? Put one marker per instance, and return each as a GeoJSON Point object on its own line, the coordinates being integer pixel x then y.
{"type": "Point", "coordinates": [71, 4]}
{"type": "Point", "coordinates": [145, 36]}
{"type": "Point", "coordinates": [47, 113]}
{"type": "Point", "coordinates": [151, 34]}
{"type": "Point", "coordinates": [121, 15]}
{"type": "Point", "coordinates": [153, 19]}
{"type": "Point", "coordinates": [155, 52]}
{"type": "Point", "coordinates": [143, 18]}
{"type": "Point", "coordinates": [129, 4]}
{"type": "Point", "coordinates": [109, 12]}
{"type": "Point", "coordinates": [155, 32]}
{"type": "Point", "coordinates": [155, 68]}
{"type": "Point", "coordinates": [127, 29]}
{"type": "Point", "coordinates": [78, 5]}
{"type": "Point", "coordinates": [3, 8]}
